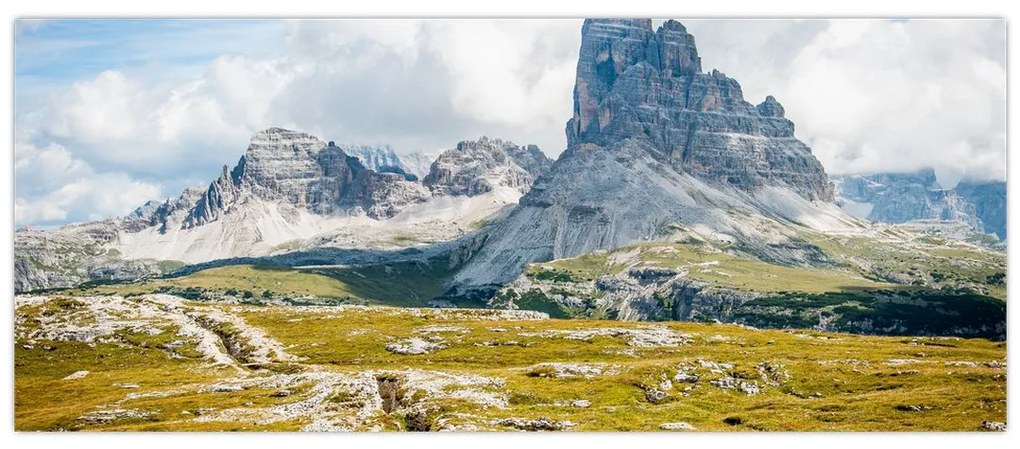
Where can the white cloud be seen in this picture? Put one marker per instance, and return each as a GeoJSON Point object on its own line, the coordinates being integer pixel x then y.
{"type": "Point", "coordinates": [867, 95]}
{"type": "Point", "coordinates": [508, 72]}
{"type": "Point", "coordinates": [426, 84]}
{"type": "Point", "coordinates": [54, 187]}
{"type": "Point", "coordinates": [877, 95]}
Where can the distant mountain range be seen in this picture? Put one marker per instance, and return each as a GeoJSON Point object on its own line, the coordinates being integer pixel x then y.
{"type": "Point", "coordinates": [290, 191]}
{"type": "Point", "coordinates": [918, 197]}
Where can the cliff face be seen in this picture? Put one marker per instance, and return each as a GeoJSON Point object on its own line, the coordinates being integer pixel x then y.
{"type": "Point", "coordinates": [633, 83]}
{"type": "Point", "coordinates": [293, 191]}
{"type": "Point", "coordinates": [655, 145]}
{"type": "Point", "coordinates": [300, 169]}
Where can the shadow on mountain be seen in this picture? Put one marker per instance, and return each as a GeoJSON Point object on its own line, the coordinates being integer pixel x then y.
{"type": "Point", "coordinates": [896, 311]}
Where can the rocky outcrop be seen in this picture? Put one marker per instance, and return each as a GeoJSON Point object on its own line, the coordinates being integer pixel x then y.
{"type": "Point", "coordinates": [633, 83]}
{"type": "Point", "coordinates": [918, 198]}
{"type": "Point", "coordinates": [72, 255]}
{"type": "Point", "coordinates": [480, 166]}
{"type": "Point", "coordinates": [289, 192]}
{"type": "Point", "coordinates": [378, 158]}
{"type": "Point", "coordinates": [155, 213]}
{"type": "Point", "coordinates": [649, 292]}
{"type": "Point", "coordinates": [301, 170]}
{"type": "Point", "coordinates": [654, 145]}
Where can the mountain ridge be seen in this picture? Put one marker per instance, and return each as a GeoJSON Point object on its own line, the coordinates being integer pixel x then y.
{"type": "Point", "coordinates": [912, 197]}
{"type": "Point", "coordinates": [290, 190]}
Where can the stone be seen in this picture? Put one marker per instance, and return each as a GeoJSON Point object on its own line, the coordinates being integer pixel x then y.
{"type": "Point", "coordinates": [535, 425]}
{"type": "Point", "coordinates": [300, 169]}
{"type": "Point", "coordinates": [111, 415]}
{"type": "Point", "coordinates": [633, 82]}
{"type": "Point", "coordinates": [729, 383]}
{"type": "Point", "coordinates": [989, 200]}
{"type": "Point", "coordinates": [683, 377]}
{"type": "Point", "coordinates": [994, 426]}
{"type": "Point", "coordinates": [655, 395]}
{"type": "Point", "coordinates": [648, 337]}
{"type": "Point", "coordinates": [676, 426]}
{"type": "Point", "coordinates": [384, 159]}
{"type": "Point", "coordinates": [223, 388]}
{"type": "Point", "coordinates": [76, 375]}
{"type": "Point", "coordinates": [570, 370]}
{"type": "Point", "coordinates": [415, 346]}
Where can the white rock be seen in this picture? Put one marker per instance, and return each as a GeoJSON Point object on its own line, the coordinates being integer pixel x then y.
{"type": "Point", "coordinates": [676, 426]}
{"type": "Point", "coordinates": [76, 375]}
{"type": "Point", "coordinates": [415, 346]}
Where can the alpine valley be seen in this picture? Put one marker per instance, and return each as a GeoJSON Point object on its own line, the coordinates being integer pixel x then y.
{"type": "Point", "coordinates": [685, 263]}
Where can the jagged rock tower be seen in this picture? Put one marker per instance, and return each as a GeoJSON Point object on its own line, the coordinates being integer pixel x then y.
{"type": "Point", "coordinates": [633, 83]}
{"type": "Point", "coordinates": [655, 143]}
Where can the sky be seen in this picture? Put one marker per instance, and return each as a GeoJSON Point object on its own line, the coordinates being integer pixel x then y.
{"type": "Point", "coordinates": [112, 113]}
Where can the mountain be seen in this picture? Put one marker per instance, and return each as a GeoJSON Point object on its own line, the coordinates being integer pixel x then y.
{"type": "Point", "coordinates": [377, 157]}
{"type": "Point", "coordinates": [633, 83]}
{"type": "Point", "coordinates": [477, 167]}
{"type": "Point", "coordinates": [417, 163]}
{"type": "Point", "coordinates": [658, 148]}
{"type": "Point", "coordinates": [290, 191]}
{"type": "Point", "coordinates": [989, 200]}
{"type": "Point", "coordinates": [675, 199]}
{"type": "Point", "coordinates": [383, 158]}
{"type": "Point", "coordinates": [918, 199]}
{"type": "Point", "coordinates": [300, 170]}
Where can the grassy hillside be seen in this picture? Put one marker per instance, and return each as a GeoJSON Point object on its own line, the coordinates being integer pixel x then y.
{"type": "Point", "coordinates": [484, 370]}
{"type": "Point", "coordinates": [707, 264]}
{"type": "Point", "coordinates": [895, 287]}
{"type": "Point", "coordinates": [398, 284]}
{"type": "Point", "coordinates": [923, 286]}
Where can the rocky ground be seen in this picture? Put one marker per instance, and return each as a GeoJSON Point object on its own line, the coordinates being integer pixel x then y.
{"type": "Point", "coordinates": [158, 362]}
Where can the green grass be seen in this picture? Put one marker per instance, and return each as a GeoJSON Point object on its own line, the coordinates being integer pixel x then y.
{"type": "Point", "coordinates": [703, 264]}
{"type": "Point", "coordinates": [924, 287]}
{"type": "Point", "coordinates": [837, 381]}
{"type": "Point", "coordinates": [43, 401]}
{"type": "Point", "coordinates": [400, 284]}
{"type": "Point", "coordinates": [852, 398]}
{"type": "Point", "coordinates": [920, 261]}
{"type": "Point", "coordinates": [243, 278]}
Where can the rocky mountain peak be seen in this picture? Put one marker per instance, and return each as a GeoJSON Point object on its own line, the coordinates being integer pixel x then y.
{"type": "Point", "coordinates": [297, 168]}
{"type": "Point", "coordinates": [636, 83]}
{"type": "Point", "coordinates": [654, 144]}
{"type": "Point", "coordinates": [771, 108]}
{"type": "Point", "coordinates": [474, 167]}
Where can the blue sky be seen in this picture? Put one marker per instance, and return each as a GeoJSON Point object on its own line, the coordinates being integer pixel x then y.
{"type": "Point", "coordinates": [55, 51]}
{"type": "Point", "coordinates": [111, 113]}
